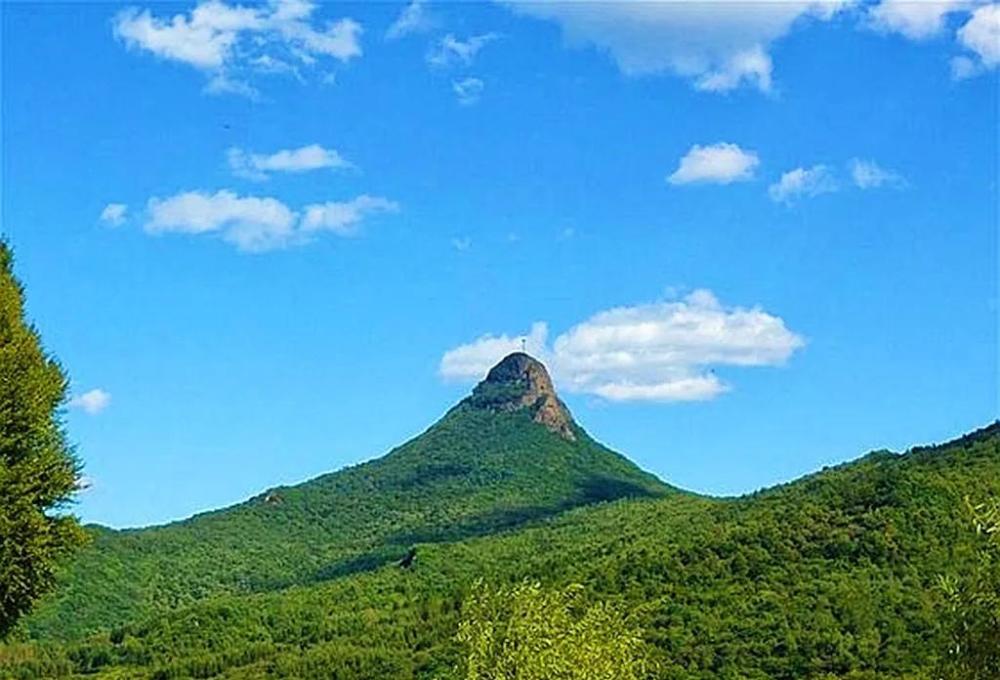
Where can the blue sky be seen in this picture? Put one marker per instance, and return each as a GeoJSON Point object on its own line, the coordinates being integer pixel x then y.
{"type": "Point", "coordinates": [267, 241]}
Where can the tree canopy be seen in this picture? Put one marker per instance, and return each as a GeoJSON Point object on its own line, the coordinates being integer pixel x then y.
{"type": "Point", "coordinates": [834, 576]}
{"type": "Point", "coordinates": [38, 470]}
{"type": "Point", "coordinates": [974, 603]}
{"type": "Point", "coordinates": [527, 632]}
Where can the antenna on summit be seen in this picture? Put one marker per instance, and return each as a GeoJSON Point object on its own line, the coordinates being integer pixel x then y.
{"type": "Point", "coordinates": [524, 345]}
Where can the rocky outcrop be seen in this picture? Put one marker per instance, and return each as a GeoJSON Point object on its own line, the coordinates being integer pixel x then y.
{"type": "Point", "coordinates": [518, 382]}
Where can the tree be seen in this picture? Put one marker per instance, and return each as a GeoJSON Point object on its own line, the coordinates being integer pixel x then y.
{"type": "Point", "coordinates": [38, 470]}
{"type": "Point", "coordinates": [974, 604]}
{"type": "Point", "coordinates": [525, 632]}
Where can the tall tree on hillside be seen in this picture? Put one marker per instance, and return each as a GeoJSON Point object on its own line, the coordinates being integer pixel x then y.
{"type": "Point", "coordinates": [974, 605]}
{"type": "Point", "coordinates": [38, 471]}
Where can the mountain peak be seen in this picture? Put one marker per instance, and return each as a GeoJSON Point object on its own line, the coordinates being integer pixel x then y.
{"type": "Point", "coordinates": [519, 366]}
{"type": "Point", "coordinates": [520, 381]}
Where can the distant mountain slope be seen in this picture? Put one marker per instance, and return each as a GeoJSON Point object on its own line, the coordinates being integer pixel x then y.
{"type": "Point", "coordinates": [830, 577]}
{"type": "Point", "coordinates": [507, 454]}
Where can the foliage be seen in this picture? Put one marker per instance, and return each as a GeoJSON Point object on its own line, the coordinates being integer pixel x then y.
{"type": "Point", "coordinates": [473, 473]}
{"type": "Point", "coordinates": [830, 577]}
{"type": "Point", "coordinates": [974, 604]}
{"type": "Point", "coordinates": [525, 632]}
{"type": "Point", "coordinates": [38, 472]}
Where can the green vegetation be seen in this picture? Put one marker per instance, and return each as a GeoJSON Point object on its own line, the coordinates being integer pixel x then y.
{"type": "Point", "coordinates": [529, 633]}
{"type": "Point", "coordinates": [471, 474]}
{"type": "Point", "coordinates": [832, 576]}
{"type": "Point", "coordinates": [38, 472]}
{"type": "Point", "coordinates": [974, 604]}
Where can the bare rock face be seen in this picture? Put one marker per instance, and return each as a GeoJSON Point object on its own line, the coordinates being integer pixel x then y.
{"type": "Point", "coordinates": [520, 381]}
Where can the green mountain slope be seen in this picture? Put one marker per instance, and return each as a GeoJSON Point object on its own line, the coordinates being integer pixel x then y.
{"type": "Point", "coordinates": [832, 576]}
{"type": "Point", "coordinates": [508, 454]}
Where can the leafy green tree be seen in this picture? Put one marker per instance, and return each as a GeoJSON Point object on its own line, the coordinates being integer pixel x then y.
{"type": "Point", "coordinates": [974, 605]}
{"type": "Point", "coordinates": [525, 632]}
{"type": "Point", "coordinates": [38, 471]}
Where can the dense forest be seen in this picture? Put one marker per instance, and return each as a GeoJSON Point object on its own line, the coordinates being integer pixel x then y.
{"type": "Point", "coordinates": [837, 575]}
{"type": "Point", "coordinates": [470, 474]}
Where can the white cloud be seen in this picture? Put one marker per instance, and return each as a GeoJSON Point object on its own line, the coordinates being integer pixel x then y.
{"type": "Point", "coordinates": [341, 40]}
{"type": "Point", "coordinates": [92, 402]}
{"type": "Point", "coordinates": [344, 217]}
{"type": "Point", "coordinates": [468, 90]}
{"type": "Point", "coordinates": [752, 65]}
{"type": "Point", "coordinates": [231, 42]}
{"type": "Point", "coordinates": [257, 224]}
{"type": "Point", "coordinates": [663, 351]}
{"type": "Point", "coordinates": [306, 158]}
{"type": "Point", "coordinates": [461, 244]}
{"type": "Point", "coordinates": [473, 360]}
{"type": "Point", "coordinates": [720, 163]}
{"type": "Point", "coordinates": [114, 213]}
{"type": "Point", "coordinates": [696, 388]}
{"type": "Point", "coordinates": [914, 19]}
{"type": "Point", "coordinates": [981, 35]}
{"type": "Point", "coordinates": [250, 223]}
{"type": "Point", "coordinates": [451, 51]}
{"type": "Point", "coordinates": [802, 182]}
{"type": "Point", "coordinates": [413, 19]}
{"type": "Point", "coordinates": [204, 39]}
{"type": "Point", "coordinates": [265, 63]}
{"type": "Point", "coordinates": [221, 83]}
{"type": "Point", "coordinates": [918, 20]}
{"type": "Point", "coordinates": [718, 45]}
{"type": "Point", "coordinates": [867, 174]}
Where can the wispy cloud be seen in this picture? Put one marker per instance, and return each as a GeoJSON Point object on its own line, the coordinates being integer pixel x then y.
{"type": "Point", "coordinates": [663, 351]}
{"type": "Point", "coordinates": [92, 402]}
{"type": "Point", "coordinates": [232, 42]}
{"type": "Point", "coordinates": [867, 174]}
{"type": "Point", "coordinates": [304, 159]}
{"type": "Point", "coordinates": [452, 51]}
{"type": "Point", "coordinates": [803, 182]}
{"type": "Point", "coordinates": [468, 90]}
{"type": "Point", "coordinates": [344, 217]}
{"type": "Point", "coordinates": [413, 19]}
{"type": "Point", "coordinates": [114, 214]}
{"type": "Point", "coordinates": [807, 182]}
{"type": "Point", "coordinates": [721, 163]}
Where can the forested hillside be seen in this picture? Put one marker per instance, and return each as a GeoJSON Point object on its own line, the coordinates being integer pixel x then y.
{"type": "Point", "coordinates": [833, 576]}
{"type": "Point", "coordinates": [484, 467]}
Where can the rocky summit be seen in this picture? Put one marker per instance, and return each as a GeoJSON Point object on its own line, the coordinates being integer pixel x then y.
{"type": "Point", "coordinates": [520, 381]}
